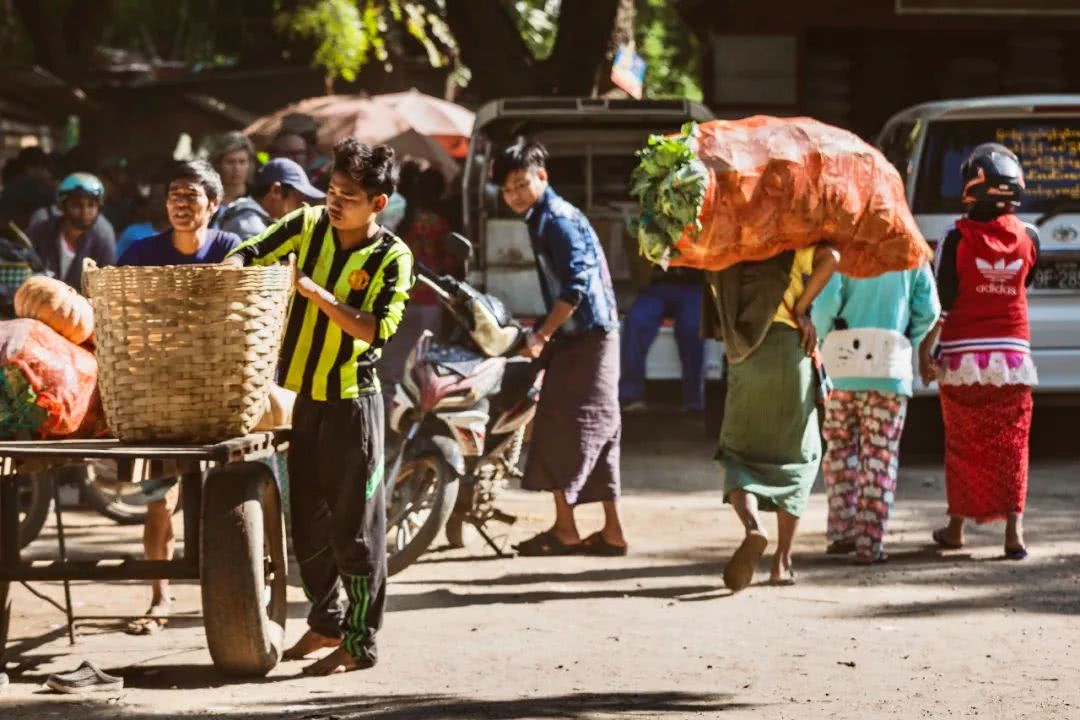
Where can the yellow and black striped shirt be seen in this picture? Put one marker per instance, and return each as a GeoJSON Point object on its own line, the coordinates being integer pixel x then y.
{"type": "Point", "coordinates": [318, 360]}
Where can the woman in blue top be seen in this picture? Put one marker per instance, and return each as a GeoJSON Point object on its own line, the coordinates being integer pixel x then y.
{"type": "Point", "coordinates": [869, 328]}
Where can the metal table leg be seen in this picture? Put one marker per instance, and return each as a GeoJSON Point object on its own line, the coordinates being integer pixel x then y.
{"type": "Point", "coordinates": [9, 552]}
{"type": "Point", "coordinates": [63, 558]}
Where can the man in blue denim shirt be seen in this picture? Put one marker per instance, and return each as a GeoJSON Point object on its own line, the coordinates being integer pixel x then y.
{"type": "Point", "coordinates": [575, 444]}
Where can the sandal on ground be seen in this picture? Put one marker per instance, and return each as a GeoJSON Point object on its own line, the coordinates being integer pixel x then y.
{"type": "Point", "coordinates": [784, 581]}
{"type": "Point", "coordinates": [155, 620]}
{"type": "Point", "coordinates": [87, 678]}
{"type": "Point", "coordinates": [1016, 553]}
{"type": "Point", "coordinates": [739, 572]}
{"type": "Point", "coordinates": [944, 542]}
{"type": "Point", "coordinates": [545, 544]}
{"type": "Point", "coordinates": [879, 559]}
{"type": "Point", "coordinates": [596, 544]}
{"type": "Point", "coordinates": [840, 547]}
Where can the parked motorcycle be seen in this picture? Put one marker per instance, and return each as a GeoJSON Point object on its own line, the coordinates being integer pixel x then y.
{"type": "Point", "coordinates": [462, 410]}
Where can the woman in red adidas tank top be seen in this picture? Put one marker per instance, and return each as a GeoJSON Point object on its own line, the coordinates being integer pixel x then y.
{"type": "Point", "coordinates": [985, 372]}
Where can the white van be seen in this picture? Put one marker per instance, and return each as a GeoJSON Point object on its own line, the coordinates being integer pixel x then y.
{"type": "Point", "coordinates": [929, 142]}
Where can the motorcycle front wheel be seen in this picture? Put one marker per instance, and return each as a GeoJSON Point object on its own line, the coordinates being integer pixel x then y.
{"type": "Point", "coordinates": [418, 503]}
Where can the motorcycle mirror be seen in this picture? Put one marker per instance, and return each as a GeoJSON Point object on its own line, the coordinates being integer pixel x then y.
{"type": "Point", "coordinates": [459, 246]}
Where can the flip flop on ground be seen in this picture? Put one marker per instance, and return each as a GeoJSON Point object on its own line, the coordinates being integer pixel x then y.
{"type": "Point", "coordinates": [87, 678]}
{"type": "Point", "coordinates": [155, 620]}
{"type": "Point", "coordinates": [545, 544]}
{"type": "Point", "coordinates": [596, 544]}
{"type": "Point", "coordinates": [944, 542]}
{"type": "Point", "coordinates": [739, 572]}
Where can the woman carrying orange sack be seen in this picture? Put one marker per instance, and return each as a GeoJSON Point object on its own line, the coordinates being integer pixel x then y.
{"type": "Point", "coordinates": [985, 372]}
{"type": "Point", "coordinates": [770, 446]}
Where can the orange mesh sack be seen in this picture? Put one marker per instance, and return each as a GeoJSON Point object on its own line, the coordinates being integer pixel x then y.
{"type": "Point", "coordinates": [48, 385]}
{"type": "Point", "coordinates": [729, 191]}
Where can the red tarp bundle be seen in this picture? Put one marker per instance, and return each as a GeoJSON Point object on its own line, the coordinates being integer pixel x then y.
{"type": "Point", "coordinates": [59, 378]}
{"type": "Point", "coordinates": [781, 184]}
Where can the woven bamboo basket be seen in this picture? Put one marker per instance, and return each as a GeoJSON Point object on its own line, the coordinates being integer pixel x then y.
{"type": "Point", "coordinates": [186, 353]}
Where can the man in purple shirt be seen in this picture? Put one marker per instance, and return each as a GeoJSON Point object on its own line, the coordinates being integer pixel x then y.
{"type": "Point", "coordinates": [194, 194]}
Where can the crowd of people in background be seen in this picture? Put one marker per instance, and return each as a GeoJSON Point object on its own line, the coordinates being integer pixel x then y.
{"type": "Point", "coordinates": [782, 322]}
{"type": "Point", "coordinates": [104, 206]}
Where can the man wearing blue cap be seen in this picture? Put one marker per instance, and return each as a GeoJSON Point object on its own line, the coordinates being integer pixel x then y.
{"type": "Point", "coordinates": [280, 187]}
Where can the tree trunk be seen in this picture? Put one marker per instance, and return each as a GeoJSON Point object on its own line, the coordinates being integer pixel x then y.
{"type": "Point", "coordinates": [43, 28]}
{"type": "Point", "coordinates": [621, 34]}
{"type": "Point", "coordinates": [492, 48]}
{"type": "Point", "coordinates": [501, 64]}
{"type": "Point", "coordinates": [63, 35]}
{"type": "Point", "coordinates": [581, 46]}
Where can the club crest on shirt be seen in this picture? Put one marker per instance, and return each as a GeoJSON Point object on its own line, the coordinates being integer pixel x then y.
{"type": "Point", "coordinates": [359, 279]}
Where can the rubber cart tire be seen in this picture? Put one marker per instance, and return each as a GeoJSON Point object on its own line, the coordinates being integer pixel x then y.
{"type": "Point", "coordinates": [243, 569]}
{"type": "Point", "coordinates": [35, 506]}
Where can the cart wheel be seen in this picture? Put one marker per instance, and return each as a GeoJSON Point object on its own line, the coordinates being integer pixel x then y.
{"type": "Point", "coordinates": [35, 506]}
{"type": "Point", "coordinates": [243, 569]}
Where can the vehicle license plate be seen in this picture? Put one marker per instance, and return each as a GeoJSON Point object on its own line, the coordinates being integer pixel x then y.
{"type": "Point", "coordinates": [1058, 276]}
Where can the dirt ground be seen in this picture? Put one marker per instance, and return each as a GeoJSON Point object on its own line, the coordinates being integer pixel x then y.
{"type": "Point", "coordinates": [652, 635]}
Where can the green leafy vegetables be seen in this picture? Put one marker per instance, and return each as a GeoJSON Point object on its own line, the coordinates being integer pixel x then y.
{"type": "Point", "coordinates": [670, 184]}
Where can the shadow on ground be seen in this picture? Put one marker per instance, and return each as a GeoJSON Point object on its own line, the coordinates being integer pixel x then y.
{"type": "Point", "coordinates": [576, 706]}
{"type": "Point", "coordinates": [443, 598]}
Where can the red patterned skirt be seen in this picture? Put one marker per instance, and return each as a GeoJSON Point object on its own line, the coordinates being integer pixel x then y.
{"type": "Point", "coordinates": [986, 449]}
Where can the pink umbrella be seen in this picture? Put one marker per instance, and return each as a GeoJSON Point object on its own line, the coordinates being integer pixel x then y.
{"type": "Point", "coordinates": [374, 119]}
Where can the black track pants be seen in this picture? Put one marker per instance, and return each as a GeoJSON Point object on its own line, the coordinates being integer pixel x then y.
{"type": "Point", "coordinates": [339, 517]}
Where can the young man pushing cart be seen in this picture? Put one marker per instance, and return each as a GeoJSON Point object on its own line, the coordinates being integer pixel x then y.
{"type": "Point", "coordinates": [352, 285]}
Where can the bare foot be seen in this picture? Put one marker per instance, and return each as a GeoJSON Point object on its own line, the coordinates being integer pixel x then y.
{"type": "Point", "coordinates": [338, 661]}
{"type": "Point", "coordinates": [781, 573]}
{"type": "Point", "coordinates": [1014, 534]}
{"type": "Point", "coordinates": [309, 643]}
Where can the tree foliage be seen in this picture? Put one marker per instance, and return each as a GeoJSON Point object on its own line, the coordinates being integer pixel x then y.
{"type": "Point", "coordinates": [538, 22]}
{"type": "Point", "coordinates": [670, 50]}
{"type": "Point", "coordinates": [503, 46]}
{"type": "Point", "coordinates": [350, 33]}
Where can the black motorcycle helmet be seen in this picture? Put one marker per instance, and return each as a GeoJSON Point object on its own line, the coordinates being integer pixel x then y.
{"type": "Point", "coordinates": [993, 177]}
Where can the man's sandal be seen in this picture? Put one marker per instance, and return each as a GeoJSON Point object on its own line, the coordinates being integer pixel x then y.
{"type": "Point", "coordinates": [153, 622]}
{"type": "Point", "coordinates": [595, 544]}
{"type": "Point", "coordinates": [545, 544]}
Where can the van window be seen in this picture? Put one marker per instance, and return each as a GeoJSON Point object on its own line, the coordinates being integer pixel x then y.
{"type": "Point", "coordinates": [1048, 148]}
{"type": "Point", "coordinates": [897, 144]}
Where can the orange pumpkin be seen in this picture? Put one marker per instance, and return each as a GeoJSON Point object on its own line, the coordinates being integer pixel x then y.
{"type": "Point", "coordinates": [58, 305]}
